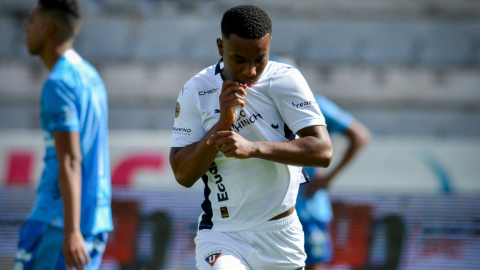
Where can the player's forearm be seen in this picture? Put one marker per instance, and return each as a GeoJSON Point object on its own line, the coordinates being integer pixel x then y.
{"type": "Point", "coordinates": [189, 163]}
{"type": "Point", "coordinates": [358, 136]}
{"type": "Point", "coordinates": [308, 151]}
{"type": "Point", "coordinates": [69, 173]}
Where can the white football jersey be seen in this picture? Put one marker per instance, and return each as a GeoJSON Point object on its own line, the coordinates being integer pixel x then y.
{"type": "Point", "coordinates": [243, 193]}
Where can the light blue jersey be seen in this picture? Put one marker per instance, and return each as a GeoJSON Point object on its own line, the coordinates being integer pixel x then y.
{"type": "Point", "coordinates": [316, 213]}
{"type": "Point", "coordinates": [74, 99]}
{"type": "Point", "coordinates": [319, 207]}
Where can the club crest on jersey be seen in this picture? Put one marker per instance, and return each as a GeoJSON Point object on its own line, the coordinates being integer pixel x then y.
{"type": "Point", "coordinates": [177, 110]}
{"type": "Point", "coordinates": [212, 258]}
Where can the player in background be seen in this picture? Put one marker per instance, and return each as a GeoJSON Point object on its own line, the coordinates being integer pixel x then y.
{"type": "Point", "coordinates": [68, 226]}
{"type": "Point", "coordinates": [232, 124]}
{"type": "Point", "coordinates": [313, 204]}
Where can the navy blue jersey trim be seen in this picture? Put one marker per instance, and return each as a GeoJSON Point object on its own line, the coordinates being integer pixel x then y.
{"type": "Point", "coordinates": [305, 174]}
{"type": "Point", "coordinates": [288, 133]}
{"type": "Point", "coordinates": [290, 136]}
{"type": "Point", "coordinates": [217, 68]}
{"type": "Point", "coordinates": [206, 222]}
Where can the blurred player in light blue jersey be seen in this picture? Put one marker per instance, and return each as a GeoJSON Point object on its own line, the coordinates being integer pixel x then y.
{"type": "Point", "coordinates": [313, 204]}
{"type": "Point", "coordinates": [69, 224]}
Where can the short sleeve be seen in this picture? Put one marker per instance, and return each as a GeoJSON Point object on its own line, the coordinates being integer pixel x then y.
{"type": "Point", "coordinates": [59, 107]}
{"type": "Point", "coordinates": [337, 119]}
{"type": "Point", "coordinates": [294, 100]}
{"type": "Point", "coordinates": [188, 126]}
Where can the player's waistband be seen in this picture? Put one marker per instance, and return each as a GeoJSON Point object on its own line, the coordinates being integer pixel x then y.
{"type": "Point", "coordinates": [273, 225]}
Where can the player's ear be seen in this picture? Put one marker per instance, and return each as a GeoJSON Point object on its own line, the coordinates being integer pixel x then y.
{"type": "Point", "coordinates": [220, 46]}
{"type": "Point", "coordinates": [50, 29]}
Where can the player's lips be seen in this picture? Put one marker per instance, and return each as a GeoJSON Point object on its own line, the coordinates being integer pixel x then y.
{"type": "Point", "coordinates": [247, 82]}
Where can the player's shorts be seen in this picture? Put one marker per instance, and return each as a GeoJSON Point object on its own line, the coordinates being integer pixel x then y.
{"type": "Point", "coordinates": [318, 242]}
{"type": "Point", "coordinates": [276, 244]}
{"type": "Point", "coordinates": [40, 248]}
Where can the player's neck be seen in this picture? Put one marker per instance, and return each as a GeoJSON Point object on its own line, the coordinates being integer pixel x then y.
{"type": "Point", "coordinates": [52, 53]}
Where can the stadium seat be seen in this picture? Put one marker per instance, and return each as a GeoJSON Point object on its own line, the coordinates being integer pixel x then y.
{"type": "Point", "coordinates": [201, 42]}
{"type": "Point", "coordinates": [106, 38]}
{"type": "Point", "coordinates": [163, 40]}
{"type": "Point", "coordinates": [389, 43]}
{"type": "Point", "coordinates": [335, 42]}
{"type": "Point", "coordinates": [289, 37]}
{"type": "Point", "coordinates": [8, 32]}
{"type": "Point", "coordinates": [447, 43]}
{"type": "Point", "coordinates": [17, 6]}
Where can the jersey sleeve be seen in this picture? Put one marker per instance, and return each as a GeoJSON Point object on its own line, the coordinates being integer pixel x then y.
{"type": "Point", "coordinates": [188, 126]}
{"type": "Point", "coordinates": [337, 119]}
{"type": "Point", "coordinates": [295, 101]}
{"type": "Point", "coordinates": [59, 106]}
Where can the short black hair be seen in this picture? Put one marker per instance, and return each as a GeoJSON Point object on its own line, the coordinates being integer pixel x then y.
{"type": "Point", "coordinates": [65, 14]}
{"type": "Point", "coordinates": [246, 21]}
{"type": "Point", "coordinates": [69, 7]}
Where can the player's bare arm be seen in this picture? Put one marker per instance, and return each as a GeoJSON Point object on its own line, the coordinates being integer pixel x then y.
{"type": "Point", "coordinates": [312, 149]}
{"type": "Point", "coordinates": [189, 163]}
{"type": "Point", "coordinates": [67, 147]}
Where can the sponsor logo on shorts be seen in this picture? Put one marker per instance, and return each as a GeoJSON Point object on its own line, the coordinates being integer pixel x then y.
{"type": "Point", "coordinates": [224, 211]}
{"type": "Point", "coordinates": [304, 105]}
{"type": "Point", "coordinates": [177, 110]}
{"type": "Point", "coordinates": [217, 110]}
{"type": "Point", "coordinates": [208, 92]}
{"type": "Point", "coordinates": [181, 130]}
{"type": "Point", "coordinates": [212, 257]}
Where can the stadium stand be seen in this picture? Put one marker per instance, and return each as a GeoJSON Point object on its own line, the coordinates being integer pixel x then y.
{"type": "Point", "coordinates": [8, 34]}
{"type": "Point", "coordinates": [106, 38]}
{"type": "Point", "coordinates": [381, 55]}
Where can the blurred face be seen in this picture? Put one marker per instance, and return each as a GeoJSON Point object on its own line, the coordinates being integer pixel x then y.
{"type": "Point", "coordinates": [244, 59]}
{"type": "Point", "coordinates": [36, 31]}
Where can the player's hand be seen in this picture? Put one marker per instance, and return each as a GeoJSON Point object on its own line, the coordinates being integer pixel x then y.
{"type": "Point", "coordinates": [76, 256]}
{"type": "Point", "coordinates": [232, 144]}
{"type": "Point", "coordinates": [321, 181]}
{"type": "Point", "coordinates": [232, 95]}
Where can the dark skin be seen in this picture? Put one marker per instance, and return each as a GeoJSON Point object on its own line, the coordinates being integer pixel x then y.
{"type": "Point", "coordinates": [244, 61]}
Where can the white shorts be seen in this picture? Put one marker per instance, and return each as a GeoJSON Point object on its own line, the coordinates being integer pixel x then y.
{"type": "Point", "coordinates": [275, 244]}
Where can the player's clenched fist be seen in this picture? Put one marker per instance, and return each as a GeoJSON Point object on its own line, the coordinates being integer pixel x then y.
{"type": "Point", "coordinates": [232, 95]}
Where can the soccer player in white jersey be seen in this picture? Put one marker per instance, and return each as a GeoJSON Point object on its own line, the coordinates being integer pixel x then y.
{"type": "Point", "coordinates": [232, 127]}
{"type": "Point", "coordinates": [69, 224]}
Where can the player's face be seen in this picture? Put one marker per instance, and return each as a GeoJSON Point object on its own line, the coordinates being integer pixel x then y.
{"type": "Point", "coordinates": [244, 59]}
{"type": "Point", "coordinates": [35, 30]}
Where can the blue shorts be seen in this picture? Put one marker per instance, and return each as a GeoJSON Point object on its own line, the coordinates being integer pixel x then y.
{"type": "Point", "coordinates": [318, 242]}
{"type": "Point", "coordinates": [40, 248]}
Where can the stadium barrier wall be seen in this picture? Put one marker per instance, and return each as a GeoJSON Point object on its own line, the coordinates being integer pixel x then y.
{"type": "Point", "coordinates": [405, 203]}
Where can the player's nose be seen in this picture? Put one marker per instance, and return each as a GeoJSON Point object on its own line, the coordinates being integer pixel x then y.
{"type": "Point", "coordinates": [249, 70]}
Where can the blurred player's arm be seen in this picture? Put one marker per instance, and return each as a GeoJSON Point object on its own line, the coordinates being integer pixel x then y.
{"type": "Point", "coordinates": [358, 135]}
{"type": "Point", "coordinates": [67, 147]}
